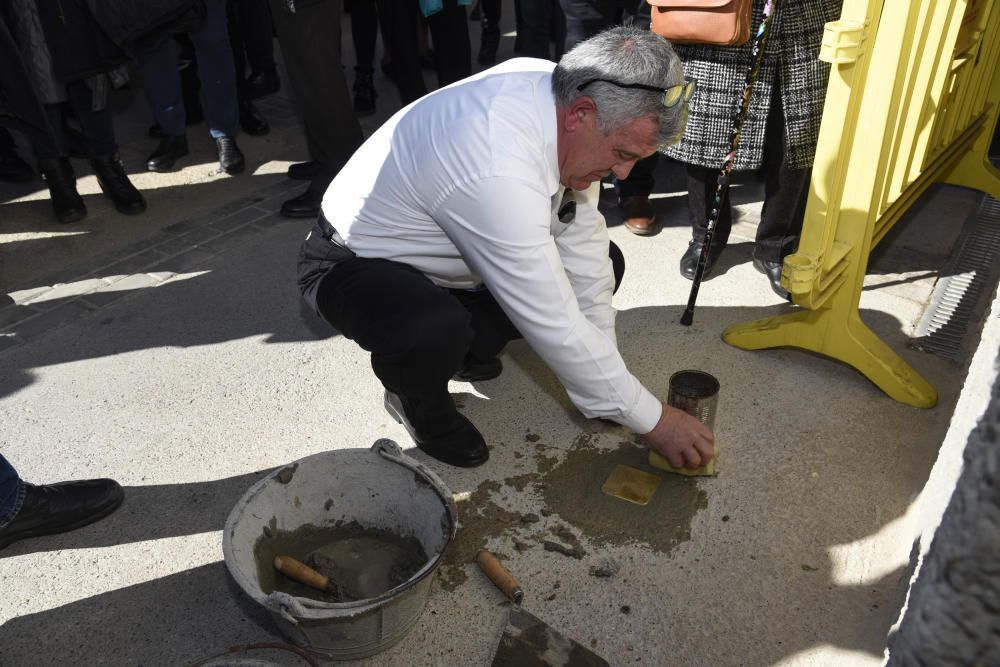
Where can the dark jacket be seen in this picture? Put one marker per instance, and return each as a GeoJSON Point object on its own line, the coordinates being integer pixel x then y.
{"type": "Point", "coordinates": [138, 26]}
{"type": "Point", "coordinates": [19, 106]}
{"type": "Point", "coordinates": [790, 60]}
{"type": "Point", "coordinates": [77, 44]}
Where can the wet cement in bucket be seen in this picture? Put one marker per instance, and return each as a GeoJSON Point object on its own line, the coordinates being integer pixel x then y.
{"type": "Point", "coordinates": [363, 562]}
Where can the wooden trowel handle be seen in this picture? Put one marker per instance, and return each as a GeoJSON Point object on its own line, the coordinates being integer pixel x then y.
{"type": "Point", "coordinates": [302, 573]}
{"type": "Point", "coordinates": [499, 575]}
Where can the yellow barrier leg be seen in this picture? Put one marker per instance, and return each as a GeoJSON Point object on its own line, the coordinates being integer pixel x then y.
{"type": "Point", "coordinates": [976, 172]}
{"type": "Point", "coordinates": [851, 342]}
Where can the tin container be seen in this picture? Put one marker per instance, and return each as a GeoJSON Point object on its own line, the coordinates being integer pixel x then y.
{"type": "Point", "coordinates": [696, 393]}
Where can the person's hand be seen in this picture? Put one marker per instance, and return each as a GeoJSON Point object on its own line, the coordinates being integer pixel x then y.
{"type": "Point", "coordinates": [681, 439]}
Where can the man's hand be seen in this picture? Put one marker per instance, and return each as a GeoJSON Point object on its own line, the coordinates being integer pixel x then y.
{"type": "Point", "coordinates": [681, 439]}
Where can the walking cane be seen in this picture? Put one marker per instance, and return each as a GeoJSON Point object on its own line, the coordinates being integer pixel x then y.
{"type": "Point", "coordinates": [757, 53]}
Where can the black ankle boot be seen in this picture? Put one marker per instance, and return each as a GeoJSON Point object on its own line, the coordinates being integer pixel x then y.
{"type": "Point", "coordinates": [66, 201]}
{"type": "Point", "coordinates": [364, 92]}
{"type": "Point", "coordinates": [116, 185]}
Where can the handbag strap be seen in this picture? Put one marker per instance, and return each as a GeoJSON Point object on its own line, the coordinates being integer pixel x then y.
{"type": "Point", "coordinates": [757, 57]}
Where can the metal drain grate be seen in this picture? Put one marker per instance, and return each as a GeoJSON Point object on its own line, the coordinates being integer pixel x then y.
{"type": "Point", "coordinates": [943, 328]}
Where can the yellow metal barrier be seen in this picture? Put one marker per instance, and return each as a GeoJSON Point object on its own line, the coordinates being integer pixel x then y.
{"type": "Point", "coordinates": [912, 100]}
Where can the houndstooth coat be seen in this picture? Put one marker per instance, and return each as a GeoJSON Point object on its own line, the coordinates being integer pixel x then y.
{"type": "Point", "coordinates": [790, 57]}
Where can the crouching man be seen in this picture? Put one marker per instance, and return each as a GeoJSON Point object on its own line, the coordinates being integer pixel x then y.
{"type": "Point", "coordinates": [470, 219]}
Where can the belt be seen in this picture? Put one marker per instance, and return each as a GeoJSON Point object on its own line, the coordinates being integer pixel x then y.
{"type": "Point", "coordinates": [330, 233]}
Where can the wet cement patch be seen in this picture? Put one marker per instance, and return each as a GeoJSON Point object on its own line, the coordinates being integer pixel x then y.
{"type": "Point", "coordinates": [572, 489]}
{"type": "Point", "coordinates": [573, 507]}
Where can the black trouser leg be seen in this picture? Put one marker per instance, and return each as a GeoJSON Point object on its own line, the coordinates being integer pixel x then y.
{"type": "Point", "coordinates": [56, 149]}
{"type": "Point", "coordinates": [701, 185]}
{"type": "Point", "coordinates": [452, 50]}
{"type": "Point", "coordinates": [640, 180]}
{"type": "Point", "coordinates": [786, 192]}
{"type": "Point", "coordinates": [364, 31]}
{"type": "Point", "coordinates": [237, 43]}
{"type": "Point", "coordinates": [258, 34]}
{"type": "Point", "coordinates": [417, 332]}
{"type": "Point", "coordinates": [98, 126]}
{"type": "Point", "coordinates": [586, 18]}
{"type": "Point", "coordinates": [310, 46]}
{"type": "Point", "coordinates": [399, 30]}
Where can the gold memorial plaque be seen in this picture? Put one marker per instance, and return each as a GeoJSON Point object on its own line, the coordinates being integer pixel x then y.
{"type": "Point", "coordinates": [631, 484]}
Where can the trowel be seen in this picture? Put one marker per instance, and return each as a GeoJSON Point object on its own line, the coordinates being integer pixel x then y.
{"type": "Point", "coordinates": [527, 641]}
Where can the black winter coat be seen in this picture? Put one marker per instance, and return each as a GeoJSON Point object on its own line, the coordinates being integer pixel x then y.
{"type": "Point", "coordinates": [138, 26]}
{"type": "Point", "coordinates": [19, 106]}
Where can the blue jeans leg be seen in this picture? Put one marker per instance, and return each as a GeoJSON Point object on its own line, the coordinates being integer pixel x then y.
{"type": "Point", "coordinates": [217, 72]}
{"type": "Point", "coordinates": [11, 492]}
{"type": "Point", "coordinates": [163, 87]}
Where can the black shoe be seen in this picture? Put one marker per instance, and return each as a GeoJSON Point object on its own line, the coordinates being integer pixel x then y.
{"type": "Point", "coordinates": [66, 201]}
{"type": "Point", "coordinates": [252, 121]}
{"type": "Point", "coordinates": [56, 508]}
{"type": "Point", "coordinates": [364, 92]}
{"type": "Point", "coordinates": [488, 46]}
{"type": "Point", "coordinates": [13, 169]}
{"type": "Point", "coordinates": [689, 260]}
{"type": "Point", "coordinates": [167, 153]}
{"type": "Point", "coordinates": [305, 171]}
{"type": "Point", "coordinates": [773, 272]}
{"type": "Point", "coordinates": [115, 183]}
{"type": "Point", "coordinates": [472, 371]}
{"type": "Point", "coordinates": [230, 156]}
{"type": "Point", "coordinates": [457, 443]}
{"type": "Point", "coordinates": [262, 84]}
{"type": "Point", "coordinates": [306, 205]}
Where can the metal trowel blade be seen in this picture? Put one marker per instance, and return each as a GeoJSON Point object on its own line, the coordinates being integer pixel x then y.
{"type": "Point", "coordinates": [529, 642]}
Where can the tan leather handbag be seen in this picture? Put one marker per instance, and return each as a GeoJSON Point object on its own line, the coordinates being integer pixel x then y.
{"type": "Point", "coordinates": [722, 22]}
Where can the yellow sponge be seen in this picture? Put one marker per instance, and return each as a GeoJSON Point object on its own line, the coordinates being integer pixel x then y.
{"type": "Point", "coordinates": [658, 461]}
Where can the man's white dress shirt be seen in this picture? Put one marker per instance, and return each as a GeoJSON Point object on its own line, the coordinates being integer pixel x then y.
{"type": "Point", "coordinates": [463, 185]}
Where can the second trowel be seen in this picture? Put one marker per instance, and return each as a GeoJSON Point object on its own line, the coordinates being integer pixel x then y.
{"type": "Point", "coordinates": [527, 641]}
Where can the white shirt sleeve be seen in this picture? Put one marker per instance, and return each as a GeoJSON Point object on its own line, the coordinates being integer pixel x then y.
{"type": "Point", "coordinates": [583, 245]}
{"type": "Point", "coordinates": [501, 226]}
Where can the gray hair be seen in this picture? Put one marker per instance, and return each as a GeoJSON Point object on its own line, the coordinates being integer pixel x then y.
{"type": "Point", "coordinates": [625, 54]}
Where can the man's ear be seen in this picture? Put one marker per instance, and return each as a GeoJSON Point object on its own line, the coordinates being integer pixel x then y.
{"type": "Point", "coordinates": [577, 112]}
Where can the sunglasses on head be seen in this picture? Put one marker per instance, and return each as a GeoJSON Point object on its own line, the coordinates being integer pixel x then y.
{"type": "Point", "coordinates": [671, 96]}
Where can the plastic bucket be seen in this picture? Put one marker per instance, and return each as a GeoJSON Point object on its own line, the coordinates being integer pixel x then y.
{"type": "Point", "coordinates": [379, 488]}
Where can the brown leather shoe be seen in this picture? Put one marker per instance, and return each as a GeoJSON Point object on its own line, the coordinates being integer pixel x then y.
{"type": "Point", "coordinates": [638, 215]}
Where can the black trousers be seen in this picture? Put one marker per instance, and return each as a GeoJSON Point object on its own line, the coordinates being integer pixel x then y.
{"type": "Point", "coordinates": [364, 32]}
{"type": "Point", "coordinates": [310, 47]}
{"type": "Point", "coordinates": [250, 37]}
{"type": "Point", "coordinates": [786, 192]}
{"type": "Point", "coordinates": [586, 18]}
{"type": "Point", "coordinates": [418, 333]}
{"type": "Point", "coordinates": [449, 31]}
{"type": "Point", "coordinates": [98, 126]}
